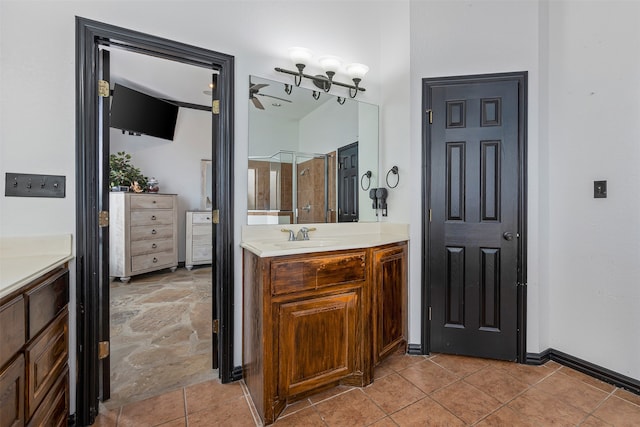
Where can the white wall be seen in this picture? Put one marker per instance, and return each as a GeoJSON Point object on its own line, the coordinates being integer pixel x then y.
{"type": "Point", "coordinates": [455, 38]}
{"type": "Point", "coordinates": [594, 134]}
{"type": "Point", "coordinates": [37, 81]}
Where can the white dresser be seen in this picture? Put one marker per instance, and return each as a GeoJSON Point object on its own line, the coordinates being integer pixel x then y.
{"type": "Point", "coordinates": [143, 233]}
{"type": "Point", "coordinates": [199, 248]}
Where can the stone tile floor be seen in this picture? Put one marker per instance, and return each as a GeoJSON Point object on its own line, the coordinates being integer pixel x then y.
{"type": "Point", "coordinates": [436, 390]}
{"type": "Point", "coordinates": [160, 334]}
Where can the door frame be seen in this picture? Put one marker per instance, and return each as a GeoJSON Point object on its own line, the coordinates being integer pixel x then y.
{"type": "Point", "coordinates": [521, 77]}
{"type": "Point", "coordinates": [89, 192]}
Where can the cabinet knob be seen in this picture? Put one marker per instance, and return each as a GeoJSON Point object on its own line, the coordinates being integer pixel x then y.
{"type": "Point", "coordinates": [153, 231]}
{"type": "Point", "coordinates": [154, 246]}
{"type": "Point", "coordinates": [155, 259]}
{"type": "Point", "coordinates": [153, 217]}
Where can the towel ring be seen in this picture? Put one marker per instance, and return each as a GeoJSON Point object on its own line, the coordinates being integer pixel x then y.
{"type": "Point", "coordinates": [367, 175]}
{"type": "Point", "coordinates": [395, 172]}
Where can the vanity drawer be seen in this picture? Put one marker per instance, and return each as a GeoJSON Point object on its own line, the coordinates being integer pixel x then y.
{"type": "Point", "coordinates": [46, 359]}
{"type": "Point", "coordinates": [151, 232]}
{"type": "Point", "coordinates": [141, 247]}
{"type": "Point", "coordinates": [46, 300]}
{"type": "Point", "coordinates": [54, 409]}
{"type": "Point", "coordinates": [148, 217]}
{"type": "Point", "coordinates": [11, 394]}
{"type": "Point", "coordinates": [13, 330]}
{"type": "Point", "coordinates": [294, 275]}
{"type": "Point", "coordinates": [201, 218]}
{"type": "Point", "coordinates": [152, 202]}
{"type": "Point", "coordinates": [144, 262]}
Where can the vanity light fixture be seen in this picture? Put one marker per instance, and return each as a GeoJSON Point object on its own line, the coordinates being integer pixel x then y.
{"type": "Point", "coordinates": [331, 65]}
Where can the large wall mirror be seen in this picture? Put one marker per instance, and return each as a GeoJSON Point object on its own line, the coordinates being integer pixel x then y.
{"type": "Point", "coordinates": [310, 160]}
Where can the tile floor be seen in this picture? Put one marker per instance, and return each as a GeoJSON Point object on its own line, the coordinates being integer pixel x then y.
{"type": "Point", "coordinates": [160, 333]}
{"type": "Point", "coordinates": [436, 390]}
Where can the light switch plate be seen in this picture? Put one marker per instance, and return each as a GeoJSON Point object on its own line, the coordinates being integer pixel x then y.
{"type": "Point", "coordinates": [32, 185]}
{"type": "Point", "coordinates": [599, 189]}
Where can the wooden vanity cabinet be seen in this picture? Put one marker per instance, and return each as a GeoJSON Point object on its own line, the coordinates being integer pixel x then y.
{"type": "Point", "coordinates": [389, 285]}
{"type": "Point", "coordinates": [306, 323]}
{"type": "Point", "coordinates": [315, 320]}
{"type": "Point", "coordinates": [34, 342]}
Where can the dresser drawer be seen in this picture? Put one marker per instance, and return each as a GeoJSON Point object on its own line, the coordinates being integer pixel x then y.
{"type": "Point", "coordinates": [141, 247]}
{"type": "Point", "coordinates": [151, 232]}
{"type": "Point", "coordinates": [151, 202]}
{"type": "Point", "coordinates": [144, 262]}
{"type": "Point", "coordinates": [11, 394]}
{"type": "Point", "coordinates": [46, 300]}
{"type": "Point", "coordinates": [293, 275]}
{"type": "Point", "coordinates": [46, 359]}
{"type": "Point", "coordinates": [201, 218]}
{"type": "Point", "coordinates": [151, 217]}
{"type": "Point", "coordinates": [54, 409]}
{"type": "Point", "coordinates": [202, 240]}
{"type": "Point", "coordinates": [12, 329]}
{"type": "Point", "coordinates": [202, 253]}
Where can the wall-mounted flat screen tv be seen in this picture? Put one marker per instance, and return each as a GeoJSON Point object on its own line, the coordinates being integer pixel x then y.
{"type": "Point", "coordinates": [137, 112]}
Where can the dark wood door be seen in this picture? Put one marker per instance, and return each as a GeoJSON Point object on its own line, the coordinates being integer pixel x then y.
{"type": "Point", "coordinates": [348, 183]}
{"type": "Point", "coordinates": [389, 301]}
{"type": "Point", "coordinates": [474, 218]}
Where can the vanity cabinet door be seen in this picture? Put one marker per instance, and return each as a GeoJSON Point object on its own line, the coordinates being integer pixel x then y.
{"type": "Point", "coordinates": [317, 341]}
{"type": "Point", "coordinates": [12, 394]}
{"type": "Point", "coordinates": [389, 300]}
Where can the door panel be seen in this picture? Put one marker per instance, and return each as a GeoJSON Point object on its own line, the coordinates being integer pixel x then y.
{"type": "Point", "coordinates": [348, 183]}
{"type": "Point", "coordinates": [474, 194]}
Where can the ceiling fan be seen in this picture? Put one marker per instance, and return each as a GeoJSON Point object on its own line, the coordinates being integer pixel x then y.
{"type": "Point", "coordinates": [254, 89]}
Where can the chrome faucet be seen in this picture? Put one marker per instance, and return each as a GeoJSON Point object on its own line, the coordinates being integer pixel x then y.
{"type": "Point", "coordinates": [292, 236]}
{"type": "Point", "coordinates": [303, 234]}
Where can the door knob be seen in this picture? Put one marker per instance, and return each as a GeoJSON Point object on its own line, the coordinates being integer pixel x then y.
{"type": "Point", "coordinates": [508, 236]}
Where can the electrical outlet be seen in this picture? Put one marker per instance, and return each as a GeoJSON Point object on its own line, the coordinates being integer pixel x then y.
{"type": "Point", "coordinates": [31, 185]}
{"type": "Point", "coordinates": [599, 189]}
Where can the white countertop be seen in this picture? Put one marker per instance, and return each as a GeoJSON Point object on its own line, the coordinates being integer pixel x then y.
{"type": "Point", "coordinates": [23, 259]}
{"type": "Point", "coordinates": [269, 240]}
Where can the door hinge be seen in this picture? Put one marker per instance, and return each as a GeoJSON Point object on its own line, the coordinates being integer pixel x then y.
{"type": "Point", "coordinates": [430, 112]}
{"type": "Point", "coordinates": [103, 88]}
{"type": "Point", "coordinates": [429, 313]}
{"type": "Point", "coordinates": [215, 106]}
{"type": "Point", "coordinates": [215, 216]}
{"type": "Point", "coordinates": [103, 350]}
{"type": "Point", "coordinates": [103, 218]}
{"type": "Point", "coordinates": [429, 215]}
{"type": "Point", "coordinates": [216, 326]}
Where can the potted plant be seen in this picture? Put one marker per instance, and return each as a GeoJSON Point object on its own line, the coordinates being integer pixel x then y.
{"type": "Point", "coordinates": [123, 175]}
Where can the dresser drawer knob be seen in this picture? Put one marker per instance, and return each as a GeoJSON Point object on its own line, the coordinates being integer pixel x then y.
{"type": "Point", "coordinates": [154, 246]}
{"type": "Point", "coordinates": [153, 231]}
{"type": "Point", "coordinates": [153, 201]}
{"type": "Point", "coordinates": [153, 217]}
{"type": "Point", "coordinates": [155, 259]}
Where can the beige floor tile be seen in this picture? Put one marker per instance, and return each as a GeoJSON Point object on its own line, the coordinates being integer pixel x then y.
{"type": "Point", "coordinates": [460, 365]}
{"type": "Point", "coordinates": [545, 409]}
{"type": "Point", "coordinates": [398, 362]}
{"type": "Point", "coordinates": [353, 408]}
{"type": "Point", "coordinates": [307, 417]}
{"type": "Point", "coordinates": [497, 383]}
{"type": "Point", "coordinates": [153, 411]}
{"type": "Point", "coordinates": [619, 412]}
{"type": "Point", "coordinates": [527, 373]}
{"type": "Point", "coordinates": [572, 391]}
{"type": "Point", "coordinates": [587, 379]}
{"type": "Point", "coordinates": [230, 413]}
{"type": "Point", "coordinates": [592, 421]}
{"type": "Point", "coordinates": [107, 418]}
{"type": "Point", "coordinates": [201, 396]}
{"type": "Point", "coordinates": [428, 376]}
{"type": "Point", "coordinates": [628, 396]}
{"type": "Point", "coordinates": [385, 422]}
{"type": "Point", "coordinates": [393, 392]}
{"type": "Point", "coordinates": [426, 412]}
{"type": "Point", "coordinates": [466, 401]}
{"type": "Point", "coordinates": [180, 422]}
{"type": "Point", "coordinates": [507, 417]}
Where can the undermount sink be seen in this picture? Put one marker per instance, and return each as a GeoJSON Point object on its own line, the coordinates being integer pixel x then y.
{"type": "Point", "coordinates": [291, 244]}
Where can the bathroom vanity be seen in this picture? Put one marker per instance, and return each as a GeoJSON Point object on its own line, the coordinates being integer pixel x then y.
{"type": "Point", "coordinates": [321, 312]}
